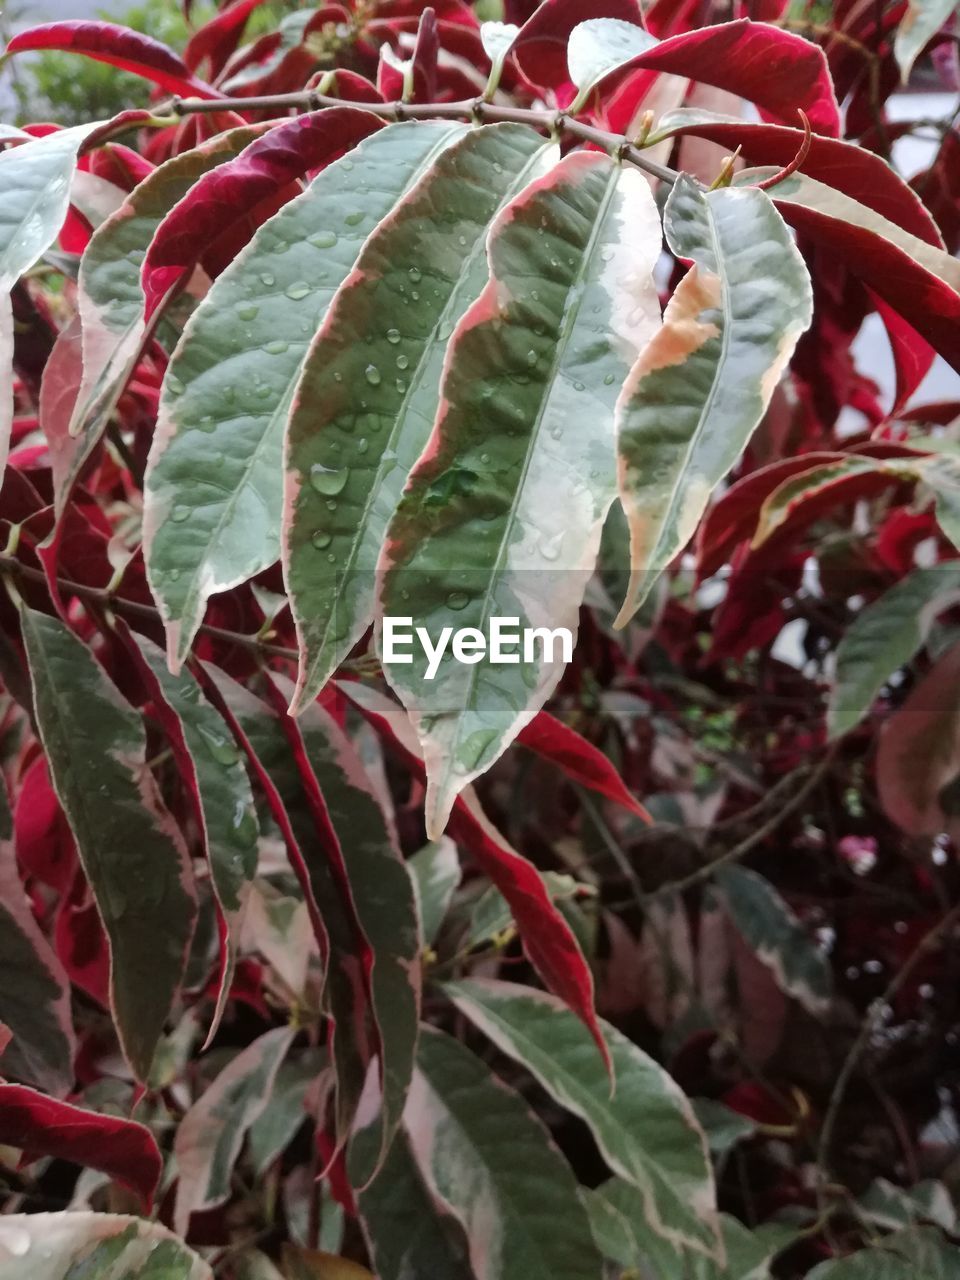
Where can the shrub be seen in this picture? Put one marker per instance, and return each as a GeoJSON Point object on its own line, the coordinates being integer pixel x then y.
{"type": "Point", "coordinates": [352, 923]}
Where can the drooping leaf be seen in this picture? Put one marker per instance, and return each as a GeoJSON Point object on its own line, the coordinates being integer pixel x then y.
{"type": "Point", "coordinates": [218, 37]}
{"type": "Point", "coordinates": [133, 855]}
{"type": "Point", "coordinates": [219, 788]}
{"type": "Point", "coordinates": [579, 759]}
{"type": "Point", "coordinates": [34, 198]}
{"type": "Point", "coordinates": [700, 388]}
{"type": "Point", "coordinates": [349, 454]}
{"type": "Point", "coordinates": [921, 22]}
{"type": "Point", "coordinates": [120, 47]}
{"type": "Point", "coordinates": [110, 296]}
{"type": "Point", "coordinates": [55, 1246]}
{"type": "Point", "coordinates": [217, 453]}
{"type": "Point", "coordinates": [210, 1135]}
{"type": "Point", "coordinates": [227, 197]}
{"type": "Point", "coordinates": [278, 757]}
{"type": "Point", "coordinates": [598, 46]}
{"type": "Point", "coordinates": [408, 1233]}
{"type": "Point", "coordinates": [918, 761]}
{"type": "Point", "coordinates": [646, 1130]}
{"type": "Point", "coordinates": [277, 1124]}
{"type": "Point", "coordinates": [548, 939]}
{"type": "Point", "coordinates": [919, 281]}
{"type": "Point", "coordinates": [501, 517]}
{"type": "Point", "coordinates": [42, 1126]}
{"type": "Point", "coordinates": [488, 1159]}
{"type": "Point", "coordinates": [383, 897]}
{"type": "Point", "coordinates": [35, 994]}
{"type": "Point", "coordinates": [883, 637]}
{"type": "Point", "coordinates": [776, 937]}
{"type": "Point", "coordinates": [436, 875]}
{"type": "Point", "coordinates": [892, 1207]}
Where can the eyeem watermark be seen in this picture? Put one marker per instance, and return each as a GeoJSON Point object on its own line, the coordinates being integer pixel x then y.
{"type": "Point", "coordinates": [506, 644]}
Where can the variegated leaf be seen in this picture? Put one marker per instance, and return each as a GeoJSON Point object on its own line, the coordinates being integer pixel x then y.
{"type": "Point", "coordinates": [54, 1246]}
{"type": "Point", "coordinates": [503, 513]}
{"type": "Point", "coordinates": [700, 388]}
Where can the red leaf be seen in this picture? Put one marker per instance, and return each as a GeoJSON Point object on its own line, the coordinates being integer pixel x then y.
{"type": "Point", "coordinates": [579, 759]}
{"type": "Point", "coordinates": [547, 938]}
{"type": "Point", "coordinates": [44, 843]}
{"type": "Point", "coordinates": [775, 69]}
{"type": "Point", "coordinates": [226, 196]}
{"type": "Point", "coordinates": [42, 1126]}
{"type": "Point", "coordinates": [119, 46]}
{"type": "Point", "coordinates": [217, 39]}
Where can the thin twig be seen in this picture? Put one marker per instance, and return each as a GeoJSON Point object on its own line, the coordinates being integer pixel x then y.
{"type": "Point", "coordinates": [470, 109]}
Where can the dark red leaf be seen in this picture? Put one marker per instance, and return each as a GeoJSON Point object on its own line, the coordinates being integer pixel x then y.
{"type": "Point", "coordinates": [42, 1126]}
{"type": "Point", "coordinates": [226, 196]}
{"type": "Point", "coordinates": [541, 47]}
{"type": "Point", "coordinates": [217, 39]}
{"type": "Point", "coordinates": [579, 759]}
{"type": "Point", "coordinates": [119, 46]}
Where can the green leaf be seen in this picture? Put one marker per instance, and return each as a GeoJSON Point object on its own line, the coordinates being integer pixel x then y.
{"type": "Point", "coordinates": [35, 992]}
{"type": "Point", "coordinates": [646, 1131]}
{"type": "Point", "coordinates": [217, 781]}
{"type": "Point", "coordinates": [883, 637]}
{"type": "Point", "coordinates": [921, 22]}
{"type": "Point", "coordinates": [700, 388]}
{"type": "Point", "coordinates": [723, 1126]}
{"type": "Point", "coordinates": [409, 1235]}
{"type": "Point", "coordinates": [133, 855]}
{"type": "Point", "coordinates": [436, 874]}
{"type": "Point", "coordinates": [941, 473]}
{"type": "Point", "coordinates": [383, 897]}
{"type": "Point", "coordinates": [486, 1156]}
{"type": "Point", "coordinates": [891, 1207]}
{"type": "Point", "coordinates": [214, 485]}
{"type": "Point", "coordinates": [110, 299]}
{"type": "Point", "coordinates": [88, 1246]}
{"type": "Point", "coordinates": [371, 384]}
{"type": "Point", "coordinates": [491, 914]}
{"type": "Point", "coordinates": [35, 181]}
{"type": "Point", "coordinates": [503, 513]}
{"type": "Point", "coordinates": [776, 937]}
{"type": "Point", "coordinates": [919, 1254]}
{"type": "Point", "coordinates": [278, 1123]}
{"type": "Point", "coordinates": [210, 1135]}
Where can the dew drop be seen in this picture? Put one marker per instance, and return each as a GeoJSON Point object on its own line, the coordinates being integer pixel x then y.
{"type": "Point", "coordinates": [174, 385]}
{"type": "Point", "coordinates": [174, 575]}
{"type": "Point", "coordinates": [550, 544]}
{"type": "Point", "coordinates": [328, 480]}
{"type": "Point", "coordinates": [247, 311]}
{"type": "Point", "coordinates": [609, 380]}
{"type": "Point", "coordinates": [276, 348]}
{"type": "Point", "coordinates": [268, 280]}
{"type": "Point", "coordinates": [331, 504]}
{"type": "Point", "coordinates": [578, 386]}
{"type": "Point", "coordinates": [363, 444]}
{"type": "Point", "coordinates": [402, 362]}
{"type": "Point", "coordinates": [415, 274]}
{"type": "Point", "coordinates": [372, 374]}
{"type": "Point", "coordinates": [457, 600]}
{"type": "Point", "coordinates": [179, 514]}
{"type": "Point", "coordinates": [346, 165]}
{"type": "Point", "coordinates": [331, 558]}
{"type": "Point", "coordinates": [352, 219]}
{"type": "Point", "coordinates": [556, 432]}
{"type": "Point", "coordinates": [324, 240]}
{"type": "Point", "coordinates": [321, 540]}
{"type": "Point", "coordinates": [298, 291]}
{"type": "Point", "coordinates": [531, 358]}
{"type": "Point", "coordinates": [223, 750]}
{"type": "Point", "coordinates": [393, 336]}
{"type": "Point", "coordinates": [401, 385]}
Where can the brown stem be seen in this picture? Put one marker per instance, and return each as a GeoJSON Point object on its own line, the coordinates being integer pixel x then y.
{"type": "Point", "coordinates": [107, 600]}
{"type": "Point", "coordinates": [475, 109]}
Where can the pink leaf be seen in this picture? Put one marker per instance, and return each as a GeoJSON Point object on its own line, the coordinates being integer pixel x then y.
{"type": "Point", "coordinates": [120, 47]}
{"type": "Point", "coordinates": [42, 1126]}
{"type": "Point", "coordinates": [226, 196]}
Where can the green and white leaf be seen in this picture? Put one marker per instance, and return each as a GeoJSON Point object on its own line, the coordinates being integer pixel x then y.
{"type": "Point", "coordinates": [214, 484]}
{"type": "Point", "coordinates": [502, 515]}
{"type": "Point", "coordinates": [132, 852]}
{"type": "Point", "coordinates": [436, 873]}
{"type": "Point", "coordinates": [91, 1246]}
{"type": "Point", "coordinates": [884, 637]}
{"type": "Point", "coordinates": [698, 391]}
{"type": "Point", "coordinates": [776, 937]}
{"type": "Point", "coordinates": [646, 1130]}
{"type": "Point", "coordinates": [227, 815]}
{"type": "Point", "coordinates": [286, 1109]}
{"type": "Point", "coordinates": [599, 46]}
{"type": "Point", "coordinates": [486, 1157]}
{"type": "Point", "coordinates": [921, 22]}
{"type": "Point", "coordinates": [110, 299]}
{"type": "Point", "coordinates": [371, 384]}
{"type": "Point", "coordinates": [210, 1135]}
{"type": "Point", "coordinates": [918, 1254]}
{"type": "Point", "coordinates": [892, 1207]}
{"type": "Point", "coordinates": [35, 179]}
